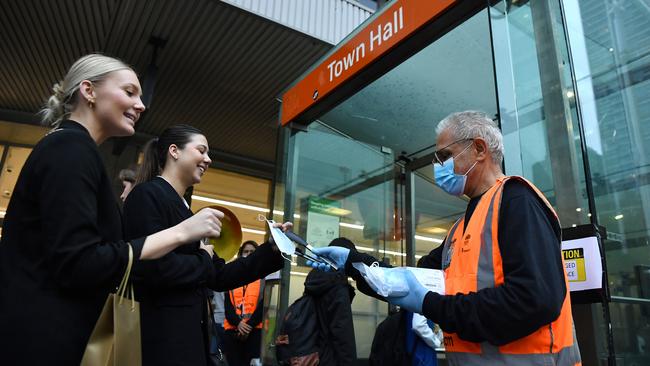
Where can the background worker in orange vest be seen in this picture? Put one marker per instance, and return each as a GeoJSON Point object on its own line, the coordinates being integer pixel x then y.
{"type": "Point", "coordinates": [507, 299]}
{"type": "Point", "coordinates": [243, 323]}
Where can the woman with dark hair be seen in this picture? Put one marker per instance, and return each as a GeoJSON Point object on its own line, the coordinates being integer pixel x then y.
{"type": "Point", "coordinates": [62, 250]}
{"type": "Point", "coordinates": [243, 324]}
{"type": "Point", "coordinates": [173, 291]}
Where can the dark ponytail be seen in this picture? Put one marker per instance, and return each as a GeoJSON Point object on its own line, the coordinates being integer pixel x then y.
{"type": "Point", "coordinates": [155, 151]}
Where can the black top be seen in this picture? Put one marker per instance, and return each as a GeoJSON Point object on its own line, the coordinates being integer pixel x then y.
{"type": "Point", "coordinates": [61, 251]}
{"type": "Point", "coordinates": [172, 290]}
{"type": "Point", "coordinates": [333, 299]}
{"type": "Point", "coordinates": [533, 289]}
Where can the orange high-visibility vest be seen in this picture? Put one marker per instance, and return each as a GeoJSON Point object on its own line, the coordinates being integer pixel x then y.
{"type": "Point", "coordinates": [245, 299]}
{"type": "Point", "coordinates": [474, 263]}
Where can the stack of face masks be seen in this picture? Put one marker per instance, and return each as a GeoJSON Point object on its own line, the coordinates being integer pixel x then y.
{"type": "Point", "coordinates": [384, 281]}
{"type": "Point", "coordinates": [391, 281]}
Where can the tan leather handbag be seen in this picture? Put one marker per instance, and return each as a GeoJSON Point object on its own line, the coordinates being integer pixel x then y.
{"type": "Point", "coordinates": [116, 337]}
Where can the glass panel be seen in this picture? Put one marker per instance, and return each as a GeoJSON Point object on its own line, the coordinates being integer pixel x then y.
{"type": "Point", "coordinates": [351, 156]}
{"type": "Point", "coordinates": [278, 299]}
{"type": "Point", "coordinates": [435, 212]}
{"type": "Point", "coordinates": [611, 52]}
{"type": "Point", "coordinates": [537, 104]}
{"type": "Point", "coordinates": [345, 188]}
{"type": "Point", "coordinates": [270, 321]}
{"type": "Point", "coordinates": [401, 109]}
{"type": "Point", "coordinates": [632, 333]}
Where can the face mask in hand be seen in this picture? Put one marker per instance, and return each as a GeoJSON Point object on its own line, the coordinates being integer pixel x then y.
{"type": "Point", "coordinates": [450, 182]}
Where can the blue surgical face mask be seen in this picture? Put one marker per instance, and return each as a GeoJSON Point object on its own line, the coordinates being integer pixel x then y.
{"type": "Point", "coordinates": [450, 182]}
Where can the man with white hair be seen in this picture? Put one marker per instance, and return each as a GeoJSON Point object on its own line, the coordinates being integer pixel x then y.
{"type": "Point", "coordinates": [507, 299]}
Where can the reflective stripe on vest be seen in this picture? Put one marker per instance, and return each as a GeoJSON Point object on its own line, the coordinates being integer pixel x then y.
{"type": "Point", "coordinates": [472, 261]}
{"type": "Point", "coordinates": [566, 356]}
{"type": "Point", "coordinates": [245, 302]}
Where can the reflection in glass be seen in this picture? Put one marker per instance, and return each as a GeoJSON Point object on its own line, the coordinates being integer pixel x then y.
{"type": "Point", "coordinates": [435, 212]}
{"type": "Point", "coordinates": [350, 163]}
{"type": "Point", "coordinates": [347, 188]}
{"type": "Point", "coordinates": [401, 109]}
{"type": "Point", "coordinates": [611, 52]}
{"type": "Point", "coordinates": [537, 110]}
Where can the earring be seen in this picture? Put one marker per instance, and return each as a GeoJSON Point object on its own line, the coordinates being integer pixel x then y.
{"type": "Point", "coordinates": [91, 103]}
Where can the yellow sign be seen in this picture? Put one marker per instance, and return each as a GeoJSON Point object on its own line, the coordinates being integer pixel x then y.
{"type": "Point", "coordinates": [583, 263]}
{"type": "Point", "coordinates": [574, 264]}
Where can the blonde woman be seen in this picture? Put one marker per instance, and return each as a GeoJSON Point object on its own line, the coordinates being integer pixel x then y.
{"type": "Point", "coordinates": [62, 250]}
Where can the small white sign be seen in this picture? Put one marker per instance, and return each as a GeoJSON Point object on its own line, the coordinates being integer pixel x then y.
{"type": "Point", "coordinates": [583, 264]}
{"type": "Point", "coordinates": [321, 229]}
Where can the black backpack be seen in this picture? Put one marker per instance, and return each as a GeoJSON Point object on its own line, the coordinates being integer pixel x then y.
{"type": "Point", "coordinates": [297, 341]}
{"type": "Point", "coordinates": [389, 344]}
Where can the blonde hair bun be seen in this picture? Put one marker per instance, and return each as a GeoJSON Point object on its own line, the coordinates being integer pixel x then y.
{"type": "Point", "coordinates": [93, 67]}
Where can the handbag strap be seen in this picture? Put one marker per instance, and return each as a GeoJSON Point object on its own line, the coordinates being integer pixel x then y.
{"type": "Point", "coordinates": [125, 288]}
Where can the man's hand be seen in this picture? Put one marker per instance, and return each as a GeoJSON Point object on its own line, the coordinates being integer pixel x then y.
{"type": "Point", "coordinates": [415, 297]}
{"type": "Point", "coordinates": [338, 255]}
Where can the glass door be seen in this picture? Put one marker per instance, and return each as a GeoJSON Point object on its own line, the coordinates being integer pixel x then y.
{"type": "Point", "coordinates": [361, 170]}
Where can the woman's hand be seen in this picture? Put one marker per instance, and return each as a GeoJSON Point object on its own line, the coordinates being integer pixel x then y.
{"type": "Point", "coordinates": [205, 223]}
{"type": "Point", "coordinates": [284, 227]}
{"type": "Point", "coordinates": [208, 248]}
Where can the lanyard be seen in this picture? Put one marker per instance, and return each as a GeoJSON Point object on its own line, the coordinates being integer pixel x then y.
{"type": "Point", "coordinates": [239, 306]}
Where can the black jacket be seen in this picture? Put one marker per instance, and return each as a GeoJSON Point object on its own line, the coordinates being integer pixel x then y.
{"type": "Point", "coordinates": [173, 290]}
{"type": "Point", "coordinates": [333, 297]}
{"type": "Point", "coordinates": [61, 251]}
{"type": "Point", "coordinates": [389, 343]}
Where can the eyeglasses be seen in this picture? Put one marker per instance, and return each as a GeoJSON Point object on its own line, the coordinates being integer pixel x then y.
{"type": "Point", "coordinates": [442, 155]}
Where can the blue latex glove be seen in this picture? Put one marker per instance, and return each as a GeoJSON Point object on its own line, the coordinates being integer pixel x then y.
{"type": "Point", "coordinates": [338, 255]}
{"type": "Point", "coordinates": [414, 299]}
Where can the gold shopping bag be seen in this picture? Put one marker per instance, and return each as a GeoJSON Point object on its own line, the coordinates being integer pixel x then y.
{"type": "Point", "coordinates": [115, 340]}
